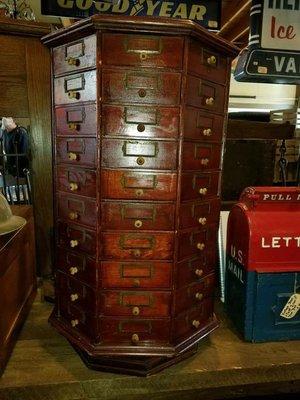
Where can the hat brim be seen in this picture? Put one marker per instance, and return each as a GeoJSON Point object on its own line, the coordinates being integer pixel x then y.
{"type": "Point", "coordinates": [12, 225]}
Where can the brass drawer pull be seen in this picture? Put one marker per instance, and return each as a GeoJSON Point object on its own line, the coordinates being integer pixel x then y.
{"type": "Point", "coordinates": [202, 221]}
{"type": "Point", "coordinates": [74, 297]}
{"type": "Point", "coordinates": [73, 186]}
{"type": "Point", "coordinates": [199, 272]}
{"type": "Point", "coordinates": [138, 223]}
{"type": "Point", "coordinates": [73, 61]}
{"type": "Point", "coordinates": [212, 60]}
{"type": "Point", "coordinates": [210, 101]}
{"type": "Point", "coordinates": [199, 296]}
{"type": "Point", "coordinates": [203, 191]}
{"type": "Point", "coordinates": [200, 246]}
{"type": "Point", "coordinates": [139, 192]}
{"type": "Point", "coordinates": [141, 127]}
{"type": "Point", "coordinates": [136, 282]}
{"type": "Point", "coordinates": [196, 323]}
{"type": "Point", "coordinates": [135, 311]}
{"type": "Point", "coordinates": [73, 215]}
{"type": "Point", "coordinates": [204, 161]}
{"type": "Point", "coordinates": [74, 127]}
{"type": "Point", "coordinates": [135, 338]}
{"type": "Point", "coordinates": [72, 156]}
{"type": "Point", "coordinates": [74, 322]}
{"type": "Point", "coordinates": [73, 270]}
{"type": "Point", "coordinates": [207, 132]}
{"type": "Point", "coordinates": [140, 161]}
{"type": "Point", "coordinates": [137, 253]}
{"type": "Point", "coordinates": [74, 95]}
{"type": "Point", "coordinates": [142, 92]}
{"type": "Point", "coordinates": [74, 243]}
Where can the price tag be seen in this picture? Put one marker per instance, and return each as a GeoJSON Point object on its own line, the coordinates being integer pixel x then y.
{"type": "Point", "coordinates": [292, 307]}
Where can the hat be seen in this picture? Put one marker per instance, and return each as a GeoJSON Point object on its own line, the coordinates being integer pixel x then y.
{"type": "Point", "coordinates": [8, 221]}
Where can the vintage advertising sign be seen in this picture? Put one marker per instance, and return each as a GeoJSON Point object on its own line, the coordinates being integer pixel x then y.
{"type": "Point", "coordinates": [273, 54]}
{"type": "Point", "coordinates": [205, 12]}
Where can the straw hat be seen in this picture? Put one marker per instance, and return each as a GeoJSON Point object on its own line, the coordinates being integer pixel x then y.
{"type": "Point", "coordinates": [8, 221]}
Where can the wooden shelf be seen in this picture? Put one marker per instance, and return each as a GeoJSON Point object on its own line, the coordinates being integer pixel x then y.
{"type": "Point", "coordinates": [44, 366]}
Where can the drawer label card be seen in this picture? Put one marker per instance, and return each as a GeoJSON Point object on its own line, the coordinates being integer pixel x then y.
{"type": "Point", "coordinates": [75, 50]}
{"type": "Point", "coordinates": [75, 115]}
{"type": "Point", "coordinates": [77, 83]}
{"type": "Point", "coordinates": [140, 148]}
{"type": "Point", "coordinates": [143, 44]}
{"type": "Point", "coordinates": [136, 271]}
{"type": "Point", "coordinates": [292, 307]}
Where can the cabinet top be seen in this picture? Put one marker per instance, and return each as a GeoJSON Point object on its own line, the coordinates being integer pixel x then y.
{"type": "Point", "coordinates": [128, 24]}
{"type": "Point", "coordinates": [19, 27]}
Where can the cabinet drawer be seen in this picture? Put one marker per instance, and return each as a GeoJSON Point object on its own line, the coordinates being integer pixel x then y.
{"type": "Point", "coordinates": [135, 332]}
{"type": "Point", "coordinates": [194, 294]}
{"type": "Point", "coordinates": [188, 323]}
{"type": "Point", "coordinates": [138, 185]}
{"type": "Point", "coordinates": [79, 120]}
{"type": "Point", "coordinates": [76, 180]}
{"type": "Point", "coordinates": [197, 213]}
{"type": "Point", "coordinates": [202, 125]}
{"type": "Point", "coordinates": [207, 63]}
{"type": "Point", "coordinates": [201, 156]}
{"type": "Point", "coordinates": [135, 303]}
{"type": "Point", "coordinates": [77, 209]}
{"type": "Point", "coordinates": [142, 50]}
{"type": "Point", "coordinates": [139, 153]}
{"type": "Point", "coordinates": [76, 293]}
{"type": "Point", "coordinates": [135, 121]}
{"type": "Point", "coordinates": [196, 242]}
{"type": "Point", "coordinates": [204, 94]}
{"type": "Point", "coordinates": [75, 56]}
{"type": "Point", "coordinates": [141, 87]}
{"type": "Point", "coordinates": [144, 246]}
{"type": "Point", "coordinates": [77, 151]}
{"type": "Point", "coordinates": [76, 238]}
{"type": "Point", "coordinates": [197, 268]}
{"type": "Point", "coordinates": [137, 215]}
{"type": "Point", "coordinates": [75, 88]}
{"type": "Point", "coordinates": [77, 319]}
{"type": "Point", "coordinates": [77, 265]}
{"type": "Point", "coordinates": [144, 275]}
{"type": "Point", "coordinates": [199, 186]}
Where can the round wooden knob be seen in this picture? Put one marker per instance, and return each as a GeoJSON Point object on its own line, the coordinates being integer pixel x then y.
{"type": "Point", "coordinates": [211, 60]}
{"type": "Point", "coordinates": [74, 95]}
{"type": "Point", "coordinates": [74, 297]}
{"type": "Point", "coordinates": [207, 132]}
{"type": "Point", "coordinates": [140, 161]}
{"type": "Point", "coordinates": [73, 270]}
{"type": "Point", "coordinates": [73, 215]}
{"type": "Point", "coordinates": [138, 223]}
{"type": "Point", "coordinates": [135, 338]}
{"type": "Point", "coordinates": [136, 282]}
{"type": "Point", "coordinates": [200, 246]}
{"type": "Point", "coordinates": [202, 221]}
{"type": "Point", "coordinates": [139, 192]}
{"type": "Point", "coordinates": [203, 191]}
{"type": "Point", "coordinates": [142, 92]}
{"type": "Point", "coordinates": [196, 323]}
{"type": "Point", "coordinates": [74, 127]}
{"type": "Point", "coordinates": [199, 272]}
{"type": "Point", "coordinates": [137, 253]}
{"type": "Point", "coordinates": [73, 186]}
{"type": "Point", "coordinates": [135, 311]}
{"type": "Point", "coordinates": [204, 161]}
{"type": "Point", "coordinates": [141, 127]}
{"type": "Point", "coordinates": [72, 156]}
{"type": "Point", "coordinates": [210, 101]}
{"type": "Point", "coordinates": [73, 61]}
{"type": "Point", "coordinates": [74, 322]}
{"type": "Point", "coordinates": [199, 296]}
{"type": "Point", "coordinates": [74, 243]}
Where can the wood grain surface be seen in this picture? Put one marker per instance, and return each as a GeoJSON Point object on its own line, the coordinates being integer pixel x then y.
{"type": "Point", "coordinates": [44, 366]}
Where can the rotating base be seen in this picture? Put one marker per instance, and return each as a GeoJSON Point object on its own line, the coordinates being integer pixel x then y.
{"type": "Point", "coordinates": [130, 365]}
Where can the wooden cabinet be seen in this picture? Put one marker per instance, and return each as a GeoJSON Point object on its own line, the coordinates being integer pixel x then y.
{"type": "Point", "coordinates": [138, 133]}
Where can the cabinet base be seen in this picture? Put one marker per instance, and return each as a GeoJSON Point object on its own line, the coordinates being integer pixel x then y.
{"type": "Point", "coordinates": [130, 365]}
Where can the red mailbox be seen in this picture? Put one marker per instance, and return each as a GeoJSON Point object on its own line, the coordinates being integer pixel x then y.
{"type": "Point", "coordinates": [263, 258]}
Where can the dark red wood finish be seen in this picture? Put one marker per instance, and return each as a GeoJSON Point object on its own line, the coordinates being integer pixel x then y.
{"type": "Point", "coordinates": [139, 108]}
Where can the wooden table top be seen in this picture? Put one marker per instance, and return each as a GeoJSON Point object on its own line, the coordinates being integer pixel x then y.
{"type": "Point", "coordinates": [44, 366]}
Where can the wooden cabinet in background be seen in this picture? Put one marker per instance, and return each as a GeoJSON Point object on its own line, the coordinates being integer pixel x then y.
{"type": "Point", "coordinates": [139, 110]}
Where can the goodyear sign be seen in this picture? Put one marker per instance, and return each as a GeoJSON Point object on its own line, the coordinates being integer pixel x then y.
{"type": "Point", "coordinates": [205, 12]}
